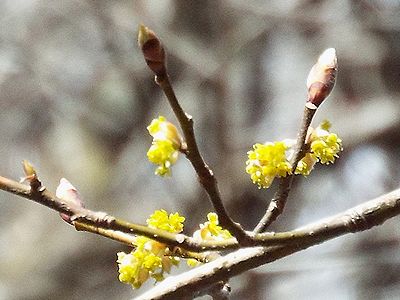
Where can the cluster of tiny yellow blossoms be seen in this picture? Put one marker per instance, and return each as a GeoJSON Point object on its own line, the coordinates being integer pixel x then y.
{"type": "Point", "coordinates": [165, 147]}
{"type": "Point", "coordinates": [267, 161]}
{"type": "Point", "coordinates": [270, 160]}
{"type": "Point", "coordinates": [306, 164]}
{"type": "Point", "coordinates": [149, 258]}
{"type": "Point", "coordinates": [209, 231]}
{"type": "Point", "coordinates": [325, 146]}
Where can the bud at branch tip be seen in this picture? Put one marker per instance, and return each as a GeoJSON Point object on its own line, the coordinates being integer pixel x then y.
{"type": "Point", "coordinates": [152, 50]}
{"type": "Point", "coordinates": [322, 78]}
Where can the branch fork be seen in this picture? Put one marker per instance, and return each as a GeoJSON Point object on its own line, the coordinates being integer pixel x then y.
{"type": "Point", "coordinates": [251, 248]}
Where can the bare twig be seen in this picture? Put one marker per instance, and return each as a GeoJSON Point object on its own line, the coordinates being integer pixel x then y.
{"type": "Point", "coordinates": [359, 218]}
{"type": "Point", "coordinates": [205, 174]}
{"type": "Point", "coordinates": [118, 236]}
{"type": "Point", "coordinates": [102, 223]}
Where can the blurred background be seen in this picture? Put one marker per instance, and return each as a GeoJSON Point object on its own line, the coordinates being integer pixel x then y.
{"type": "Point", "coordinates": [76, 97]}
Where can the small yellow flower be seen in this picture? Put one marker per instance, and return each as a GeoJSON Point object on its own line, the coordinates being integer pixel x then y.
{"type": "Point", "coordinates": [266, 162]}
{"type": "Point", "coordinates": [161, 220]}
{"type": "Point", "coordinates": [149, 258]}
{"type": "Point", "coordinates": [306, 165]}
{"type": "Point", "coordinates": [211, 231]}
{"type": "Point", "coordinates": [165, 147]}
{"type": "Point", "coordinates": [192, 262]}
{"type": "Point", "coordinates": [161, 129]}
{"type": "Point", "coordinates": [325, 125]}
{"type": "Point", "coordinates": [325, 146]}
{"type": "Point", "coordinates": [129, 269]}
{"type": "Point", "coordinates": [163, 154]}
{"type": "Point", "coordinates": [152, 262]}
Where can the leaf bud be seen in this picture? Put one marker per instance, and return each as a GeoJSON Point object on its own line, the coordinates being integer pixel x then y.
{"type": "Point", "coordinates": [29, 170]}
{"type": "Point", "coordinates": [152, 49]}
{"type": "Point", "coordinates": [322, 77]}
{"type": "Point", "coordinates": [68, 193]}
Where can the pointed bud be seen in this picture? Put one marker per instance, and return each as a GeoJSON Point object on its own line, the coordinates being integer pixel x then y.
{"type": "Point", "coordinates": [68, 193]}
{"type": "Point", "coordinates": [322, 77]}
{"type": "Point", "coordinates": [30, 176]}
{"type": "Point", "coordinates": [152, 49]}
{"type": "Point", "coordinates": [29, 170]}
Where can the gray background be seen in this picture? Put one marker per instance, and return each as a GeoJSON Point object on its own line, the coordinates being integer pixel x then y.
{"type": "Point", "coordinates": [76, 97]}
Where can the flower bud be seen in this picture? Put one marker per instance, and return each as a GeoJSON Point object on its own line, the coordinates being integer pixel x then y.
{"type": "Point", "coordinates": [166, 144]}
{"type": "Point", "coordinates": [29, 170]}
{"type": "Point", "coordinates": [322, 77]}
{"type": "Point", "coordinates": [152, 49]}
{"type": "Point", "coordinates": [31, 176]}
{"type": "Point", "coordinates": [68, 193]}
{"type": "Point", "coordinates": [161, 129]}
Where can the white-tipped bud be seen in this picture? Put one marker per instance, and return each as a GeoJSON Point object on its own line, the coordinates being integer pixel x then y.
{"type": "Point", "coordinates": [68, 193]}
{"type": "Point", "coordinates": [322, 77]}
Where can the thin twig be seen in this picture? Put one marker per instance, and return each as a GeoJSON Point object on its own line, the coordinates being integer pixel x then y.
{"type": "Point", "coordinates": [87, 220]}
{"type": "Point", "coordinates": [129, 240]}
{"type": "Point", "coordinates": [118, 236]}
{"type": "Point", "coordinates": [205, 174]}
{"type": "Point", "coordinates": [359, 218]}
{"type": "Point", "coordinates": [277, 204]}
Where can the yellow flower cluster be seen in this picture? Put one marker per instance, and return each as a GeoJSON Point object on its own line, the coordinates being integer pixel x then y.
{"type": "Point", "coordinates": [209, 231]}
{"type": "Point", "coordinates": [161, 220]}
{"type": "Point", "coordinates": [267, 161]}
{"type": "Point", "coordinates": [165, 147]}
{"type": "Point", "coordinates": [325, 145]}
{"type": "Point", "coordinates": [270, 160]}
{"type": "Point", "coordinates": [149, 259]}
{"type": "Point", "coordinates": [306, 164]}
{"type": "Point", "coordinates": [324, 148]}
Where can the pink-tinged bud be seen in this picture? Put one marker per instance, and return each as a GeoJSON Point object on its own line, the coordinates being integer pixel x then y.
{"type": "Point", "coordinates": [69, 194]}
{"type": "Point", "coordinates": [152, 49]}
{"type": "Point", "coordinates": [322, 77]}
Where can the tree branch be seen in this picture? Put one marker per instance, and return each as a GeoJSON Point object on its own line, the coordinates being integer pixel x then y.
{"type": "Point", "coordinates": [360, 218]}
{"type": "Point", "coordinates": [204, 173]}
{"type": "Point", "coordinates": [119, 230]}
{"type": "Point", "coordinates": [155, 57]}
{"type": "Point", "coordinates": [102, 223]}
